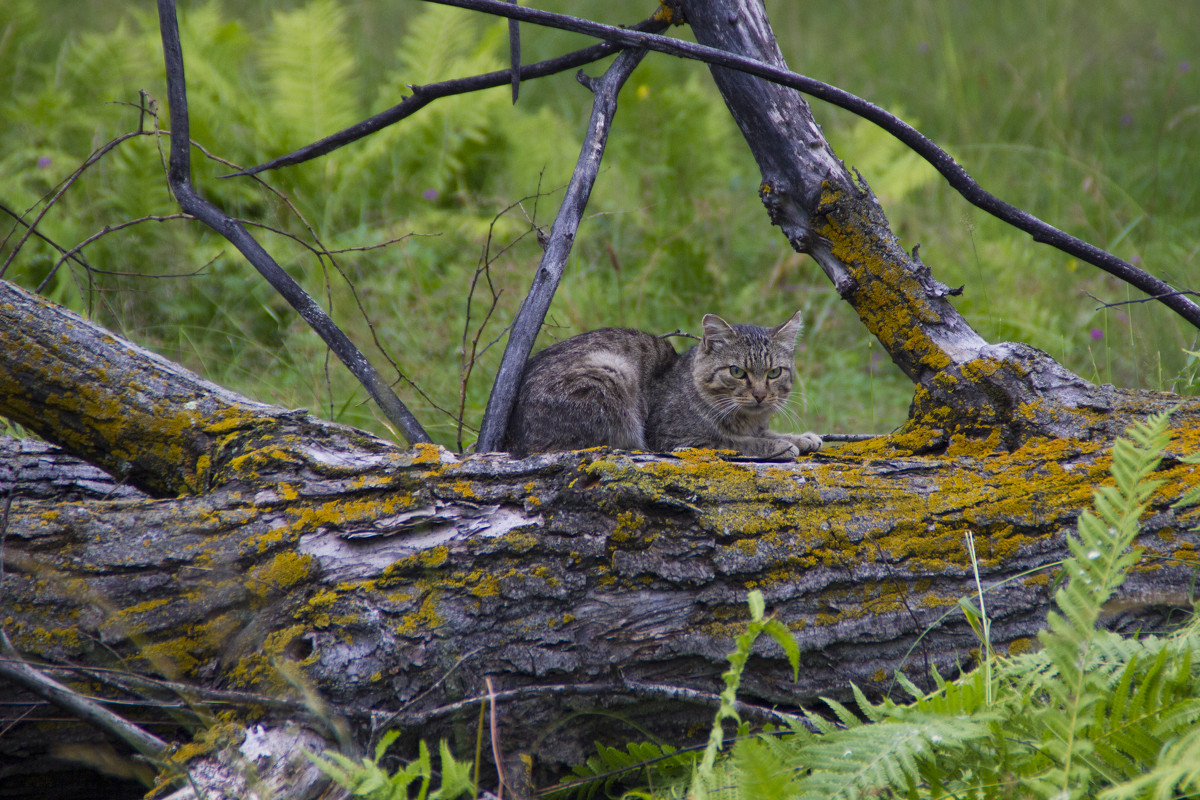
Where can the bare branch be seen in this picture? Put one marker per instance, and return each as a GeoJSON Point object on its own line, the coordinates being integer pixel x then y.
{"type": "Point", "coordinates": [955, 175]}
{"type": "Point", "coordinates": [58, 192]}
{"type": "Point", "coordinates": [424, 95]}
{"type": "Point", "coordinates": [20, 220]}
{"type": "Point", "coordinates": [514, 47]}
{"type": "Point", "coordinates": [562, 235]}
{"type": "Point", "coordinates": [17, 670]}
{"type": "Point", "coordinates": [179, 178]}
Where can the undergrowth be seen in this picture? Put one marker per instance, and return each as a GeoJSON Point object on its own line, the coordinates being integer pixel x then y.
{"type": "Point", "coordinates": [1092, 714]}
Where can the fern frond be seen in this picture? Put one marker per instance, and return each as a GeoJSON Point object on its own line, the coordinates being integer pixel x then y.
{"type": "Point", "coordinates": [1101, 556]}
{"type": "Point", "coordinates": [856, 762]}
{"type": "Point", "coordinates": [312, 72]}
{"type": "Point", "coordinates": [611, 768]}
{"type": "Point", "coordinates": [1176, 775]}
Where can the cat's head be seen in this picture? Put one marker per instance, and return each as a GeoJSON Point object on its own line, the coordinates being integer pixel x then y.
{"type": "Point", "coordinates": [746, 370]}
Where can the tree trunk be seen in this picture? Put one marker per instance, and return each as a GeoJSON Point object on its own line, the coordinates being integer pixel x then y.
{"type": "Point", "coordinates": [964, 385]}
{"type": "Point", "coordinates": [588, 587]}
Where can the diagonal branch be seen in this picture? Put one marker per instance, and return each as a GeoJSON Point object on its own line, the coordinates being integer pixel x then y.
{"type": "Point", "coordinates": [179, 178]}
{"type": "Point", "coordinates": [554, 260]}
{"type": "Point", "coordinates": [955, 175]}
{"type": "Point", "coordinates": [424, 95]}
{"type": "Point", "coordinates": [14, 668]}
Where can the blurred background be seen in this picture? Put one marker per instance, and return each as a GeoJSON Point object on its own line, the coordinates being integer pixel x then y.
{"type": "Point", "coordinates": [1086, 114]}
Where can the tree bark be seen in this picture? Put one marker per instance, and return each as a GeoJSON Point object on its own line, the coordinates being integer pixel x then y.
{"type": "Point", "coordinates": [588, 586]}
{"type": "Point", "coordinates": [964, 385]}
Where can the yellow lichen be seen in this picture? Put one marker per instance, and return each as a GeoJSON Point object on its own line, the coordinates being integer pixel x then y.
{"type": "Point", "coordinates": [285, 570]}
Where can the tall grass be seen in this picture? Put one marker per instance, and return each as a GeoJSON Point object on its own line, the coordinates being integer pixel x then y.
{"type": "Point", "coordinates": [1084, 113]}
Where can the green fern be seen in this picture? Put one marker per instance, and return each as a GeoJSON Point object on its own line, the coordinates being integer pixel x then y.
{"type": "Point", "coordinates": [612, 768]}
{"type": "Point", "coordinates": [366, 778]}
{"type": "Point", "coordinates": [1101, 556]}
{"type": "Point", "coordinates": [312, 72]}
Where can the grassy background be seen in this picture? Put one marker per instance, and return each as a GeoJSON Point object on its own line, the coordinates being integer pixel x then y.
{"type": "Point", "coordinates": [1085, 114]}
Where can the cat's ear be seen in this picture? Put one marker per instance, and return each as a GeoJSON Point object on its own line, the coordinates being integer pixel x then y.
{"type": "Point", "coordinates": [716, 331]}
{"type": "Point", "coordinates": [785, 335]}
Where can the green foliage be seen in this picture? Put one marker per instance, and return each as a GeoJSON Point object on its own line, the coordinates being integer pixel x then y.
{"type": "Point", "coordinates": [366, 778]}
{"type": "Point", "coordinates": [1091, 714]}
{"type": "Point", "coordinates": [737, 664]}
{"type": "Point", "coordinates": [611, 768]}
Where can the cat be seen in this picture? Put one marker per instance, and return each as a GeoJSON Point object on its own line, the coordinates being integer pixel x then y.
{"type": "Point", "coordinates": [631, 390]}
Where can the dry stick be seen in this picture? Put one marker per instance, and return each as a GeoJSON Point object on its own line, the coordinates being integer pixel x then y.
{"type": "Point", "coordinates": [554, 260]}
{"type": "Point", "coordinates": [424, 95]}
{"type": "Point", "coordinates": [107, 229]}
{"type": "Point", "coordinates": [955, 175]}
{"type": "Point", "coordinates": [15, 669]}
{"type": "Point", "coordinates": [179, 179]}
{"type": "Point", "coordinates": [58, 192]}
{"type": "Point", "coordinates": [20, 219]}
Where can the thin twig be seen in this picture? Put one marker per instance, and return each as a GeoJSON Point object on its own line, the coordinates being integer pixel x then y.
{"type": "Point", "coordinates": [107, 229]}
{"type": "Point", "coordinates": [20, 219]}
{"type": "Point", "coordinates": [955, 175]}
{"type": "Point", "coordinates": [1105, 304]}
{"type": "Point", "coordinates": [60, 190]}
{"type": "Point", "coordinates": [494, 730]}
{"type": "Point", "coordinates": [562, 235]}
{"type": "Point", "coordinates": [180, 179]}
{"type": "Point", "coordinates": [469, 355]}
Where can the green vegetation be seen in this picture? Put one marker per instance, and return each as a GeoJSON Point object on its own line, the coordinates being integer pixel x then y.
{"type": "Point", "coordinates": [1084, 113]}
{"type": "Point", "coordinates": [1091, 714]}
{"type": "Point", "coordinates": [365, 778]}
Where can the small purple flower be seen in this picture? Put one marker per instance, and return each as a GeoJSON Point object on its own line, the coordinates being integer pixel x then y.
{"type": "Point", "coordinates": [923, 47]}
{"type": "Point", "coordinates": [1185, 66]}
{"type": "Point", "coordinates": [1126, 120]}
{"type": "Point", "coordinates": [1097, 334]}
{"type": "Point", "coordinates": [44, 162]}
{"type": "Point", "coordinates": [430, 194]}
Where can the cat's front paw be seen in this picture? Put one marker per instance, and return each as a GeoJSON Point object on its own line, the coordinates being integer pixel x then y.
{"type": "Point", "coordinates": [807, 442]}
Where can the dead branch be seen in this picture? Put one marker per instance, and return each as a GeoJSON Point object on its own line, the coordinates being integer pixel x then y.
{"type": "Point", "coordinates": [190, 200]}
{"type": "Point", "coordinates": [424, 95]}
{"type": "Point", "coordinates": [554, 260]}
{"type": "Point", "coordinates": [955, 175]}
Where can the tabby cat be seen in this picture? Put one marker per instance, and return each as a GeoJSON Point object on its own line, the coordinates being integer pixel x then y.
{"type": "Point", "coordinates": [631, 390]}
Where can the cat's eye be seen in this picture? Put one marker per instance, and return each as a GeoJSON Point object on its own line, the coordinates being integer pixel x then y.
{"type": "Point", "coordinates": [737, 372]}
{"type": "Point", "coordinates": [775, 373]}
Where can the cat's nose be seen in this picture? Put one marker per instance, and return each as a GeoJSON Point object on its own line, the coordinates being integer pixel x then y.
{"type": "Point", "coordinates": [759, 395]}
